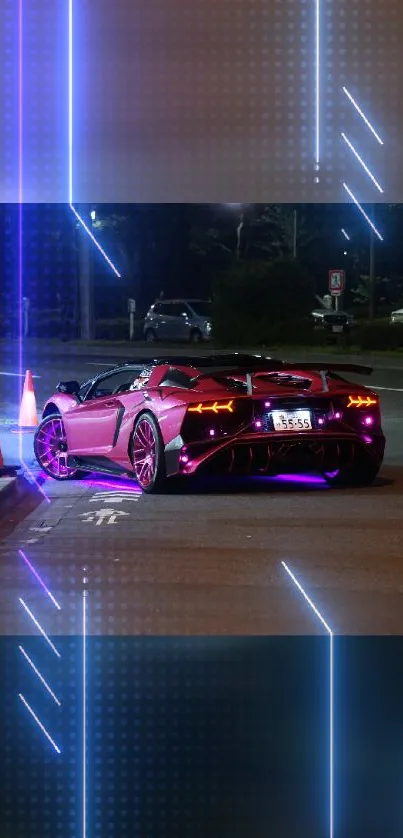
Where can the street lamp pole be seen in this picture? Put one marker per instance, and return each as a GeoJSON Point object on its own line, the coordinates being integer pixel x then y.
{"type": "Point", "coordinates": [87, 320]}
{"type": "Point", "coordinates": [372, 268]}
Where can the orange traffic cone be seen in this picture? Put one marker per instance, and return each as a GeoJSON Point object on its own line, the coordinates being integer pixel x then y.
{"type": "Point", "coordinates": [28, 417]}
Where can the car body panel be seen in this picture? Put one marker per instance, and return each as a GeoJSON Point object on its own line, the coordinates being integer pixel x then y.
{"type": "Point", "coordinates": [202, 414]}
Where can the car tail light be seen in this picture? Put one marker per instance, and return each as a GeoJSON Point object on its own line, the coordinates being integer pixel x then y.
{"type": "Point", "coordinates": [362, 401]}
{"type": "Point", "coordinates": [212, 407]}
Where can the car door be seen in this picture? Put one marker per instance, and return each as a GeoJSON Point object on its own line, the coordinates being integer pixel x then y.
{"type": "Point", "coordinates": [166, 327]}
{"type": "Point", "coordinates": [92, 427]}
{"type": "Point", "coordinates": [182, 322]}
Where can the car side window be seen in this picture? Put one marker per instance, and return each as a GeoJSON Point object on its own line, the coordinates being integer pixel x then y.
{"type": "Point", "coordinates": [177, 310]}
{"type": "Point", "coordinates": [120, 382]}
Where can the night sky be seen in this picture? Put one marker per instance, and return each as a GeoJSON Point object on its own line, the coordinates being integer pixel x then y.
{"type": "Point", "coordinates": [204, 102]}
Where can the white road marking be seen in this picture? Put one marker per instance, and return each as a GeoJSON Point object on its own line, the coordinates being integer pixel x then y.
{"type": "Point", "coordinates": [114, 497]}
{"type": "Point", "coordinates": [40, 529]}
{"type": "Point", "coordinates": [390, 389]}
{"type": "Point", "coordinates": [102, 516]}
{"type": "Point", "coordinates": [17, 374]}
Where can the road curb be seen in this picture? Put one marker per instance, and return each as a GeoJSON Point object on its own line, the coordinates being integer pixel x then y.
{"type": "Point", "coordinates": [16, 487]}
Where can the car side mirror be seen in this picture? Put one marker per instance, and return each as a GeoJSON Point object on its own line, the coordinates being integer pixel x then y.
{"type": "Point", "coordinates": [70, 388]}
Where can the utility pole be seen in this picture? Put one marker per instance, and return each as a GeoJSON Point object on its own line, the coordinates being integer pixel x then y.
{"type": "Point", "coordinates": [372, 269]}
{"type": "Point", "coordinates": [86, 289]}
{"type": "Point", "coordinates": [294, 239]}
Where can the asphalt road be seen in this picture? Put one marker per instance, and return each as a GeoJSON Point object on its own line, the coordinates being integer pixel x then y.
{"type": "Point", "coordinates": [205, 559]}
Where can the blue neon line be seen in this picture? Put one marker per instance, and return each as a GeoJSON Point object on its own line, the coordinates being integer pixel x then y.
{"type": "Point", "coordinates": [362, 211]}
{"type": "Point", "coordinates": [40, 580]}
{"type": "Point", "coordinates": [39, 723]}
{"type": "Point", "coordinates": [308, 599]}
{"type": "Point", "coordinates": [331, 691]}
{"type": "Point", "coordinates": [362, 115]}
{"type": "Point", "coordinates": [71, 140]}
{"type": "Point", "coordinates": [84, 717]}
{"type": "Point", "coordinates": [317, 81]}
{"type": "Point", "coordinates": [345, 234]}
{"type": "Point", "coordinates": [94, 241]}
{"type": "Point", "coordinates": [39, 627]}
{"type": "Point", "coordinates": [360, 160]}
{"type": "Point", "coordinates": [39, 675]}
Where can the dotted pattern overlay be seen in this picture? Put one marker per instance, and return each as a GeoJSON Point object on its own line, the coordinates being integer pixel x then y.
{"type": "Point", "coordinates": [186, 737]}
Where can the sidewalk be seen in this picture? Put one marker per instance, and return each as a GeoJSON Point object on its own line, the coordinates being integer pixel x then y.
{"type": "Point", "coordinates": [15, 448]}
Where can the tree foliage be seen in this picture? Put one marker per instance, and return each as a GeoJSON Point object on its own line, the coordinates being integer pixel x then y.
{"type": "Point", "coordinates": [254, 299]}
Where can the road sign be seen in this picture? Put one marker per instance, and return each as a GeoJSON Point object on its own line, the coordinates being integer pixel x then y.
{"type": "Point", "coordinates": [337, 282]}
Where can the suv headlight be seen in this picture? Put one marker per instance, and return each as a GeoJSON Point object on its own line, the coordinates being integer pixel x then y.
{"type": "Point", "coordinates": [207, 326]}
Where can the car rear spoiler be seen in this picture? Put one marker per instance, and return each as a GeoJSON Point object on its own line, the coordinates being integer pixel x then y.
{"type": "Point", "coordinates": [324, 370]}
{"type": "Point", "coordinates": [285, 366]}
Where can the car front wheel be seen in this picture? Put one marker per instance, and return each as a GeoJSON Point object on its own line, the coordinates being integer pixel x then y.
{"type": "Point", "coordinates": [51, 450]}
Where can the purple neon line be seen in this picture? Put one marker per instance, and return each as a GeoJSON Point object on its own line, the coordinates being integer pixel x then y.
{"type": "Point", "coordinates": [20, 227]}
{"type": "Point", "coordinates": [39, 627]}
{"type": "Point", "coordinates": [40, 580]}
{"type": "Point", "coordinates": [20, 194]}
{"type": "Point", "coordinates": [39, 723]}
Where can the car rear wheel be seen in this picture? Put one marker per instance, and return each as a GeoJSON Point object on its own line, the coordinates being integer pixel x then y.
{"type": "Point", "coordinates": [147, 454]}
{"type": "Point", "coordinates": [355, 475]}
{"type": "Point", "coordinates": [151, 336]}
{"type": "Point", "coordinates": [51, 450]}
{"type": "Point", "coordinates": [196, 336]}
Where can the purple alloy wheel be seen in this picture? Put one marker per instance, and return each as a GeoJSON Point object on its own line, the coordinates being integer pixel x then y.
{"type": "Point", "coordinates": [144, 453]}
{"type": "Point", "coordinates": [51, 448]}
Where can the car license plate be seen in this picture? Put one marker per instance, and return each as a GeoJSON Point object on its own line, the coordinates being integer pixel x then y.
{"type": "Point", "coordinates": [337, 329]}
{"type": "Point", "coordinates": [283, 420]}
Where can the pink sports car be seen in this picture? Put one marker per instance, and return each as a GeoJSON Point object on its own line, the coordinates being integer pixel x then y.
{"type": "Point", "coordinates": [228, 414]}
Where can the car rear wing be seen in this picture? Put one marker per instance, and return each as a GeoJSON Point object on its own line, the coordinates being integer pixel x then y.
{"type": "Point", "coordinates": [296, 366]}
{"type": "Point", "coordinates": [284, 367]}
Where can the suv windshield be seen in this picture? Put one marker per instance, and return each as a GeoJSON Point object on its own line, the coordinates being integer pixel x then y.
{"type": "Point", "coordinates": [203, 309]}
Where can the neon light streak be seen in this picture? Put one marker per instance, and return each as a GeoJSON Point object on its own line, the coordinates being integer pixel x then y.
{"type": "Point", "coordinates": [20, 190]}
{"type": "Point", "coordinates": [39, 627]}
{"type": "Point", "coordinates": [70, 102]}
{"type": "Point", "coordinates": [362, 211]}
{"type": "Point", "coordinates": [20, 226]}
{"type": "Point", "coordinates": [94, 241]}
{"type": "Point", "coordinates": [41, 678]}
{"type": "Point", "coordinates": [71, 142]}
{"type": "Point", "coordinates": [360, 160]}
{"type": "Point", "coordinates": [329, 631]}
{"type": "Point", "coordinates": [362, 115]}
{"type": "Point", "coordinates": [345, 234]}
{"type": "Point", "coordinates": [84, 719]}
{"type": "Point", "coordinates": [39, 723]}
{"type": "Point", "coordinates": [40, 580]}
{"type": "Point", "coordinates": [317, 83]}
